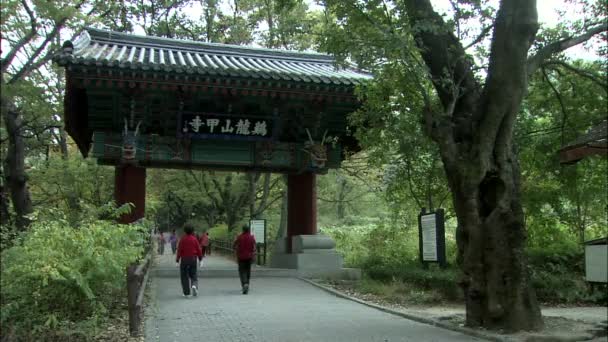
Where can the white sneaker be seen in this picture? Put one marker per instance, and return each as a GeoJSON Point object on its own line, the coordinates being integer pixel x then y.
{"type": "Point", "coordinates": [194, 290]}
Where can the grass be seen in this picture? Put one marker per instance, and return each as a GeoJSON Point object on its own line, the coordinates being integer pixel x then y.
{"type": "Point", "coordinates": [394, 291]}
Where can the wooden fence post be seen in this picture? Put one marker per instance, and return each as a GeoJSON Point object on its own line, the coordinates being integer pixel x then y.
{"type": "Point", "coordinates": [133, 286]}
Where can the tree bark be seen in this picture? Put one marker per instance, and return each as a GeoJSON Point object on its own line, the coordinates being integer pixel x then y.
{"type": "Point", "coordinates": [343, 190]}
{"type": "Point", "coordinates": [14, 165]}
{"type": "Point", "coordinates": [4, 213]}
{"type": "Point", "coordinates": [283, 220]}
{"type": "Point", "coordinates": [474, 134]}
{"type": "Point", "coordinates": [63, 143]}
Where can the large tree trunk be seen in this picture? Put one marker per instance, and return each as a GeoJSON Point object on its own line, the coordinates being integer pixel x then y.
{"type": "Point", "coordinates": [491, 239]}
{"type": "Point", "coordinates": [474, 133]}
{"type": "Point", "coordinates": [14, 165]}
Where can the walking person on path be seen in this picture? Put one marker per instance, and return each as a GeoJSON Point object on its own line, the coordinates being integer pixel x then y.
{"type": "Point", "coordinates": [161, 243]}
{"type": "Point", "coordinates": [188, 251]}
{"type": "Point", "coordinates": [244, 247]}
{"type": "Point", "coordinates": [173, 241]}
{"type": "Point", "coordinates": [204, 241]}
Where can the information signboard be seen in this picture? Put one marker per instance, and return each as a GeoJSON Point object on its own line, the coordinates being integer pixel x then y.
{"type": "Point", "coordinates": [258, 230]}
{"type": "Point", "coordinates": [428, 224]}
{"type": "Point", "coordinates": [431, 234]}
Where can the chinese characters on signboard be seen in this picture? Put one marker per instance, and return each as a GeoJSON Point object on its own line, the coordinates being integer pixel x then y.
{"type": "Point", "coordinates": [258, 230]}
{"type": "Point", "coordinates": [431, 234]}
{"type": "Point", "coordinates": [429, 237]}
{"type": "Point", "coordinates": [208, 124]}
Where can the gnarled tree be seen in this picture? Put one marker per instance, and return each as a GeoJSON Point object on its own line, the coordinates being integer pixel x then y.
{"type": "Point", "coordinates": [472, 124]}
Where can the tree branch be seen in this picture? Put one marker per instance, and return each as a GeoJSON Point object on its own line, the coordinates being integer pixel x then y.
{"type": "Point", "coordinates": [584, 73]}
{"type": "Point", "coordinates": [29, 65]}
{"type": "Point", "coordinates": [481, 36]}
{"type": "Point", "coordinates": [408, 168]}
{"type": "Point", "coordinates": [8, 59]}
{"type": "Point", "coordinates": [545, 52]}
{"type": "Point", "coordinates": [561, 103]}
{"type": "Point", "coordinates": [514, 31]}
{"type": "Point", "coordinates": [441, 51]}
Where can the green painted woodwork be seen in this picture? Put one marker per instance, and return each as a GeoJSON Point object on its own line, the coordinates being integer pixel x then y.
{"type": "Point", "coordinates": [291, 97]}
{"type": "Point", "coordinates": [157, 151]}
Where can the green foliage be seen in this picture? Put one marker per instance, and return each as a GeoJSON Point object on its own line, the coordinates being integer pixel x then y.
{"type": "Point", "coordinates": [58, 275]}
{"type": "Point", "coordinates": [558, 275]}
{"type": "Point", "coordinates": [219, 232]}
{"type": "Point", "coordinates": [351, 195]}
{"type": "Point", "coordinates": [71, 185]}
{"type": "Point", "coordinates": [562, 202]}
{"type": "Point", "coordinates": [388, 256]}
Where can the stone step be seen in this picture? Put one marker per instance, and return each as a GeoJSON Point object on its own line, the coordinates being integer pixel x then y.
{"type": "Point", "coordinates": [173, 272]}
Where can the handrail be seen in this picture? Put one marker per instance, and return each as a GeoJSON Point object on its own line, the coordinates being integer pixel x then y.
{"type": "Point", "coordinates": [137, 278]}
{"type": "Point", "coordinates": [143, 265]}
{"type": "Point", "coordinates": [221, 244]}
{"type": "Point", "coordinates": [227, 245]}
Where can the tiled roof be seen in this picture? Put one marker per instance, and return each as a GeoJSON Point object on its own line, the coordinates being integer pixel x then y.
{"type": "Point", "coordinates": [134, 52]}
{"type": "Point", "coordinates": [596, 135]}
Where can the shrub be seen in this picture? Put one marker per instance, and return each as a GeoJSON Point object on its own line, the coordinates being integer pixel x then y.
{"type": "Point", "coordinates": [219, 232]}
{"type": "Point", "coordinates": [558, 275]}
{"type": "Point", "coordinates": [57, 275]}
{"type": "Point", "coordinates": [443, 281]}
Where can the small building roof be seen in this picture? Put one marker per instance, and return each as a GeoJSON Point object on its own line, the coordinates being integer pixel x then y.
{"type": "Point", "coordinates": [600, 241]}
{"type": "Point", "coordinates": [96, 47]}
{"type": "Point", "coordinates": [595, 141]}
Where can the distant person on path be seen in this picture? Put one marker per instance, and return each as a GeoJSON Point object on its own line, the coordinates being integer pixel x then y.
{"type": "Point", "coordinates": [188, 250]}
{"type": "Point", "coordinates": [173, 241]}
{"type": "Point", "coordinates": [204, 241]}
{"type": "Point", "coordinates": [161, 243]}
{"type": "Point", "coordinates": [244, 246]}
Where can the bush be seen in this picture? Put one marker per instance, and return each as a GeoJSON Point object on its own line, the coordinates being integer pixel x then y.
{"type": "Point", "coordinates": [558, 275]}
{"type": "Point", "coordinates": [57, 276]}
{"type": "Point", "coordinates": [350, 242]}
{"type": "Point", "coordinates": [442, 281]}
{"type": "Point", "coordinates": [219, 232]}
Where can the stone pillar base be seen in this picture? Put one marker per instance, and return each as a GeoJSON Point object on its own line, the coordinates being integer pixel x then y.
{"type": "Point", "coordinates": [313, 256]}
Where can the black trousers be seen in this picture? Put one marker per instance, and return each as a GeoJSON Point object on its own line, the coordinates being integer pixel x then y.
{"type": "Point", "coordinates": [245, 271]}
{"type": "Point", "coordinates": [187, 271]}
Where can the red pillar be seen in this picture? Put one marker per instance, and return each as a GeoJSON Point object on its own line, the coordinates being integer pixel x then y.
{"type": "Point", "coordinates": [130, 187]}
{"type": "Point", "coordinates": [301, 206]}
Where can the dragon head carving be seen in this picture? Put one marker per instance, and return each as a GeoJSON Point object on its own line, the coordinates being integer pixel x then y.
{"type": "Point", "coordinates": [129, 143]}
{"type": "Point", "coordinates": [316, 150]}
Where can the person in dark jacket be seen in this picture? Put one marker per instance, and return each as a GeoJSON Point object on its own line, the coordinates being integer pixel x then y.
{"type": "Point", "coordinates": [244, 247]}
{"type": "Point", "coordinates": [188, 250]}
{"type": "Point", "coordinates": [173, 240]}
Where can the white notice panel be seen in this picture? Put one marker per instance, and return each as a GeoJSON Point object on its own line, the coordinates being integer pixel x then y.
{"type": "Point", "coordinates": [257, 229]}
{"type": "Point", "coordinates": [429, 238]}
{"type": "Point", "coordinates": [596, 263]}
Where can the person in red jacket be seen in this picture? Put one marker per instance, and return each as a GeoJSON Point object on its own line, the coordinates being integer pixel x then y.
{"type": "Point", "coordinates": [188, 250]}
{"type": "Point", "coordinates": [204, 241]}
{"type": "Point", "coordinates": [244, 246]}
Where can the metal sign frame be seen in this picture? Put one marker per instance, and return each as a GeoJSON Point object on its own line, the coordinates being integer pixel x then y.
{"type": "Point", "coordinates": [256, 222]}
{"type": "Point", "coordinates": [439, 241]}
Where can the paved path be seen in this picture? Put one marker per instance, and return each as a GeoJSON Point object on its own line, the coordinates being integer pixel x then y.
{"type": "Point", "coordinates": [276, 309]}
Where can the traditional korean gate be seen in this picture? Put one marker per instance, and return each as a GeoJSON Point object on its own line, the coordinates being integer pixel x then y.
{"type": "Point", "coordinates": [138, 102]}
